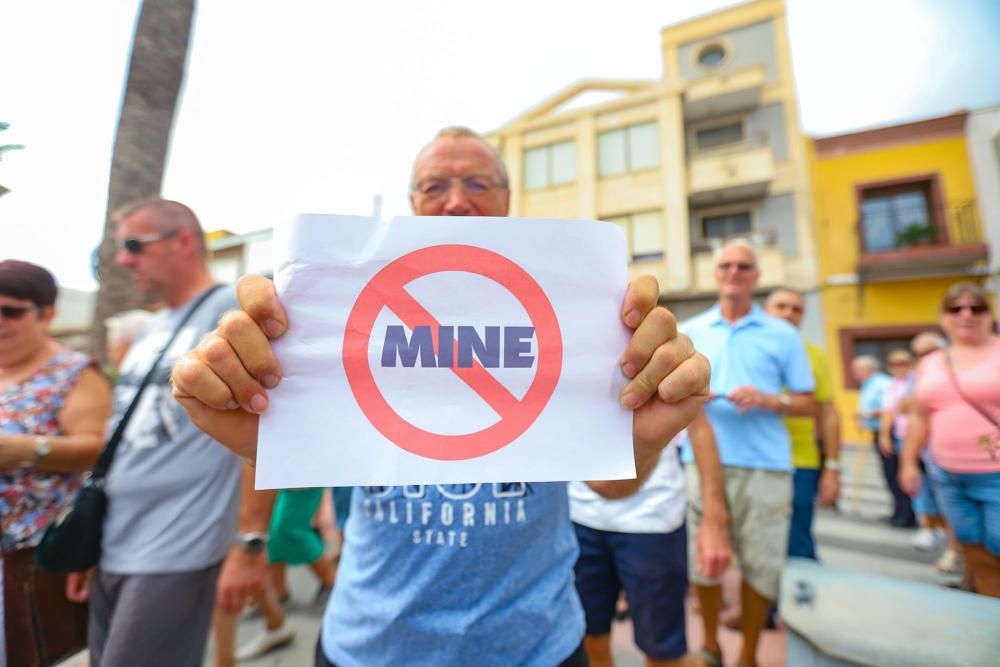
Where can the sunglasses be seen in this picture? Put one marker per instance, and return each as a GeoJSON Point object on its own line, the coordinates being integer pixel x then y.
{"type": "Point", "coordinates": [975, 309]}
{"type": "Point", "coordinates": [134, 245]}
{"type": "Point", "coordinates": [739, 266]}
{"type": "Point", "coordinates": [15, 312]}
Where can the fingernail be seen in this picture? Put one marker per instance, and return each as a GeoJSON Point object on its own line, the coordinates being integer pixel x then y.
{"type": "Point", "coordinates": [632, 318]}
{"type": "Point", "coordinates": [631, 400]}
{"type": "Point", "coordinates": [232, 405]}
{"type": "Point", "coordinates": [258, 403]}
{"type": "Point", "coordinates": [628, 368]}
{"type": "Point", "coordinates": [270, 380]}
{"type": "Point", "coordinates": [273, 328]}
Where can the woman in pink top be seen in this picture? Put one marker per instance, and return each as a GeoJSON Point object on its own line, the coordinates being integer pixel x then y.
{"type": "Point", "coordinates": [957, 405]}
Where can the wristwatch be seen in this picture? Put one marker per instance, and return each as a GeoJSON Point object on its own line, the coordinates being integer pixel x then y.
{"type": "Point", "coordinates": [832, 464]}
{"type": "Point", "coordinates": [42, 448]}
{"type": "Point", "coordinates": [786, 402]}
{"type": "Point", "coordinates": [252, 543]}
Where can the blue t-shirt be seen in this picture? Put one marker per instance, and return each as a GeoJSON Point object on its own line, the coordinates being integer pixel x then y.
{"type": "Point", "coordinates": [870, 398]}
{"type": "Point", "coordinates": [760, 351]}
{"type": "Point", "coordinates": [456, 574]}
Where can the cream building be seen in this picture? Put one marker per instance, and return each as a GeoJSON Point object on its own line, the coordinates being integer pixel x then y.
{"type": "Point", "coordinates": [711, 151]}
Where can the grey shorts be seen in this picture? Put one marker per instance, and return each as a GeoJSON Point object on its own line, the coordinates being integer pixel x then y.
{"type": "Point", "coordinates": [150, 619]}
{"type": "Point", "coordinates": [760, 510]}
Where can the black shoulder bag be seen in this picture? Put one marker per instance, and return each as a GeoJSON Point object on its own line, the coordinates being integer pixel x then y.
{"type": "Point", "coordinates": [72, 543]}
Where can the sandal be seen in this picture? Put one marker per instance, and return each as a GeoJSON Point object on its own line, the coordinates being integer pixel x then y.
{"type": "Point", "coordinates": [708, 658]}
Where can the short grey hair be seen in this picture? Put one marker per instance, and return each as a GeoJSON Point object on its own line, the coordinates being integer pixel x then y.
{"type": "Point", "coordinates": [867, 360]}
{"type": "Point", "coordinates": [788, 290]}
{"type": "Point", "coordinates": [461, 132]}
{"type": "Point", "coordinates": [171, 216]}
{"type": "Point", "coordinates": [930, 338]}
{"type": "Point", "coordinates": [738, 242]}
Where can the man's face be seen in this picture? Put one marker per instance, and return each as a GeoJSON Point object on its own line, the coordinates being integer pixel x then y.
{"type": "Point", "coordinates": [458, 176]}
{"type": "Point", "coordinates": [154, 268]}
{"type": "Point", "coordinates": [861, 371]}
{"type": "Point", "coordinates": [788, 306]}
{"type": "Point", "coordinates": [736, 272]}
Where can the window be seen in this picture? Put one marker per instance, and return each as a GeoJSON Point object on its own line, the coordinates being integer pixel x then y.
{"type": "Point", "coordinates": [554, 164]}
{"type": "Point", "coordinates": [726, 225]}
{"type": "Point", "coordinates": [720, 135]}
{"type": "Point", "coordinates": [644, 234]}
{"type": "Point", "coordinates": [897, 216]}
{"type": "Point", "coordinates": [628, 149]}
{"type": "Point", "coordinates": [876, 341]}
{"type": "Point", "coordinates": [712, 55]}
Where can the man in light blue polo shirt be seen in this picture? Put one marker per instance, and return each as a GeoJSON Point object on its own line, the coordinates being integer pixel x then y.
{"type": "Point", "coordinates": [754, 358]}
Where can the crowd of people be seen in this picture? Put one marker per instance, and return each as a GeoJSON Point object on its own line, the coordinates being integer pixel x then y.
{"type": "Point", "coordinates": [730, 466]}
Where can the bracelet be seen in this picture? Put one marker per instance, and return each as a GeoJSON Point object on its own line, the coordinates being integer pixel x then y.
{"type": "Point", "coordinates": [832, 464]}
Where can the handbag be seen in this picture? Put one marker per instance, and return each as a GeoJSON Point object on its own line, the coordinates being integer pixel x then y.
{"type": "Point", "coordinates": [984, 441]}
{"type": "Point", "coordinates": [72, 543]}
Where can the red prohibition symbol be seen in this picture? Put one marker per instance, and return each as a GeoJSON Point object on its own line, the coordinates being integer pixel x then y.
{"type": "Point", "coordinates": [387, 290]}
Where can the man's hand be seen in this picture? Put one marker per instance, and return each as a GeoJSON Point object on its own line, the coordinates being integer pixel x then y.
{"type": "Point", "coordinates": [829, 488]}
{"type": "Point", "coordinates": [241, 580]}
{"type": "Point", "coordinates": [223, 382]}
{"type": "Point", "coordinates": [885, 443]}
{"type": "Point", "coordinates": [713, 550]}
{"type": "Point", "coordinates": [78, 585]}
{"type": "Point", "coordinates": [668, 379]}
{"type": "Point", "coordinates": [747, 398]}
{"type": "Point", "coordinates": [909, 478]}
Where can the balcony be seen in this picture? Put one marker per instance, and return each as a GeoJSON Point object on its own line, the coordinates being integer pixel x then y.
{"type": "Point", "coordinates": [949, 242]}
{"type": "Point", "coordinates": [730, 176]}
{"type": "Point", "coordinates": [724, 94]}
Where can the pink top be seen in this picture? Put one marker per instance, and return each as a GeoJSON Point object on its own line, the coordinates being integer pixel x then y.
{"type": "Point", "coordinates": [898, 389]}
{"type": "Point", "coordinates": [962, 439]}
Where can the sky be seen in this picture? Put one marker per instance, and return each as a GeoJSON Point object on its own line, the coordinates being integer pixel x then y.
{"type": "Point", "coordinates": [321, 106]}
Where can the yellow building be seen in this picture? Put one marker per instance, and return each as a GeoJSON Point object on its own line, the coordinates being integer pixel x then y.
{"type": "Point", "coordinates": [711, 151]}
{"type": "Point", "coordinates": [896, 224]}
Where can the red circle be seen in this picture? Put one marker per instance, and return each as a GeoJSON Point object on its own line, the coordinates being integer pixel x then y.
{"type": "Point", "coordinates": [393, 278]}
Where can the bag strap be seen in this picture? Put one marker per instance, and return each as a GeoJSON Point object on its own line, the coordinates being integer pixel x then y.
{"type": "Point", "coordinates": [103, 463]}
{"type": "Point", "coordinates": [972, 404]}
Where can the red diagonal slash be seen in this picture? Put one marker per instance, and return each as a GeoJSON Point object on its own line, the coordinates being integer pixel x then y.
{"type": "Point", "coordinates": [477, 377]}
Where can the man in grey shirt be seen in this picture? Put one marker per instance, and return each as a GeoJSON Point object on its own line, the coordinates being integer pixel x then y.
{"type": "Point", "coordinates": [172, 492]}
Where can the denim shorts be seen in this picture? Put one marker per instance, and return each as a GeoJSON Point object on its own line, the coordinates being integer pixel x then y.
{"type": "Point", "coordinates": [971, 504]}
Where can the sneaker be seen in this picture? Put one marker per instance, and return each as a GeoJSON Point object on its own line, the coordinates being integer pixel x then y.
{"type": "Point", "coordinates": [949, 562]}
{"type": "Point", "coordinates": [924, 540]}
{"type": "Point", "coordinates": [265, 642]}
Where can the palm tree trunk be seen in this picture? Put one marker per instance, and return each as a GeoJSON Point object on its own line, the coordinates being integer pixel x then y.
{"type": "Point", "coordinates": [155, 75]}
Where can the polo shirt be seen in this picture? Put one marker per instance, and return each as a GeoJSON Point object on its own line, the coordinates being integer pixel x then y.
{"type": "Point", "coordinates": [802, 430]}
{"type": "Point", "coordinates": [760, 351]}
{"type": "Point", "coordinates": [870, 398]}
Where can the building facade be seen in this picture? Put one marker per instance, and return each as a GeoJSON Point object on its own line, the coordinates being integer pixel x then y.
{"type": "Point", "coordinates": [710, 152]}
{"type": "Point", "coordinates": [983, 136]}
{"type": "Point", "coordinates": [897, 223]}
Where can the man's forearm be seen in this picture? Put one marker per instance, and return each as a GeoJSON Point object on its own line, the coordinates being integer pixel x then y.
{"type": "Point", "coordinates": [829, 430]}
{"type": "Point", "coordinates": [615, 489]}
{"type": "Point", "coordinates": [255, 506]}
{"type": "Point", "coordinates": [706, 458]}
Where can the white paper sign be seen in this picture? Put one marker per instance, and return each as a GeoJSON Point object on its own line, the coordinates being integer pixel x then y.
{"type": "Point", "coordinates": [437, 350]}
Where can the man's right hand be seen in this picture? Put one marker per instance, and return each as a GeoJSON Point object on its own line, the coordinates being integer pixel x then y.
{"type": "Point", "coordinates": [222, 383]}
{"type": "Point", "coordinates": [241, 580]}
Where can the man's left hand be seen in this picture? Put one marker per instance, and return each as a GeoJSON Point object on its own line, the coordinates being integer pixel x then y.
{"type": "Point", "coordinates": [829, 488]}
{"type": "Point", "coordinates": [668, 379]}
{"type": "Point", "coordinates": [747, 398]}
{"type": "Point", "coordinates": [713, 550]}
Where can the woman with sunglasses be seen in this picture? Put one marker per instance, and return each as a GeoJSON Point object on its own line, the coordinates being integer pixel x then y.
{"type": "Point", "coordinates": [957, 406]}
{"type": "Point", "coordinates": [54, 405]}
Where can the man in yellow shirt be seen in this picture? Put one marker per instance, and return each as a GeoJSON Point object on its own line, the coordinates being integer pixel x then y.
{"type": "Point", "coordinates": [808, 479]}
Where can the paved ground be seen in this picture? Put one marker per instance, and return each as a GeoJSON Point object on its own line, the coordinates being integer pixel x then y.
{"type": "Point", "coordinates": [852, 538]}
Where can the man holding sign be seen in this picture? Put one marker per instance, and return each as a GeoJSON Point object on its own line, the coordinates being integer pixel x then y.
{"type": "Point", "coordinates": [505, 594]}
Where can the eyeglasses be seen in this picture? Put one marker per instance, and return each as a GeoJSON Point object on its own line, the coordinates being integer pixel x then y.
{"type": "Point", "coordinates": [15, 312]}
{"type": "Point", "coordinates": [134, 245]}
{"type": "Point", "coordinates": [975, 309]}
{"type": "Point", "coordinates": [739, 266]}
{"type": "Point", "coordinates": [473, 186]}
{"type": "Point", "coordinates": [901, 362]}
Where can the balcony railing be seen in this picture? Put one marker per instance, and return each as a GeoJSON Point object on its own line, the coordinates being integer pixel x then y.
{"type": "Point", "coordinates": [916, 239]}
{"type": "Point", "coordinates": [761, 239]}
{"type": "Point", "coordinates": [741, 173]}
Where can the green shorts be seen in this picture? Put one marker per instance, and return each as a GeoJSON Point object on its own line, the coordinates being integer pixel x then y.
{"type": "Point", "coordinates": [292, 539]}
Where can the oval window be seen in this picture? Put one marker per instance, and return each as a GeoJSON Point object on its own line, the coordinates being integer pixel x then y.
{"type": "Point", "coordinates": [712, 55]}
